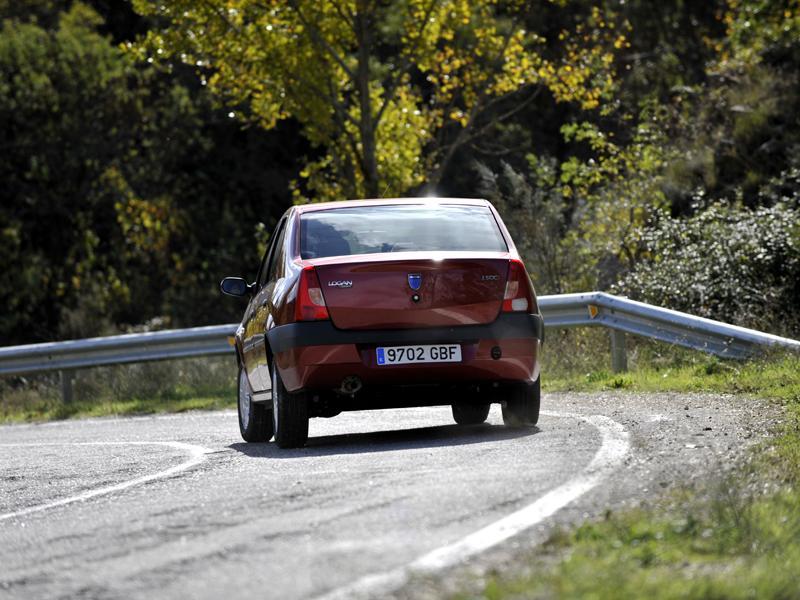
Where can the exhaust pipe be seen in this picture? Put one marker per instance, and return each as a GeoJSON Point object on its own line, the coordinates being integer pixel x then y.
{"type": "Point", "coordinates": [350, 385]}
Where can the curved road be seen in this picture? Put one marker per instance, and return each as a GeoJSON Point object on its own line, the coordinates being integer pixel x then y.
{"type": "Point", "coordinates": [176, 507]}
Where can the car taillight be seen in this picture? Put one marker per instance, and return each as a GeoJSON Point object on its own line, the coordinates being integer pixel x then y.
{"type": "Point", "coordinates": [518, 297]}
{"type": "Point", "coordinates": [310, 305]}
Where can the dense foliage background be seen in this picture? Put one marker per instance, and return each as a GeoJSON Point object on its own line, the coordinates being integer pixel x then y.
{"type": "Point", "coordinates": [649, 148]}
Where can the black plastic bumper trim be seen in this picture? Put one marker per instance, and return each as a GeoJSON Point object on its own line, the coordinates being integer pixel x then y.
{"type": "Point", "coordinates": [323, 333]}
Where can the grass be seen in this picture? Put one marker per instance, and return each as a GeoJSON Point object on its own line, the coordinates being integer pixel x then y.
{"type": "Point", "coordinates": [144, 388]}
{"type": "Point", "coordinates": [56, 410]}
{"type": "Point", "coordinates": [770, 377]}
{"type": "Point", "coordinates": [738, 538]}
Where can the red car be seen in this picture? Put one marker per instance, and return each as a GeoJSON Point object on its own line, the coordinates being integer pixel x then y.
{"type": "Point", "coordinates": [374, 304]}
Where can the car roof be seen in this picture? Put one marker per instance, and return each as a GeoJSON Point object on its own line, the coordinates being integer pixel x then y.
{"type": "Point", "coordinates": [304, 208]}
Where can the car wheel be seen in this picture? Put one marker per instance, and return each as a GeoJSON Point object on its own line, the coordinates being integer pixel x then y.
{"type": "Point", "coordinates": [522, 404]}
{"type": "Point", "coordinates": [289, 414]}
{"type": "Point", "coordinates": [255, 422]}
{"type": "Point", "coordinates": [470, 414]}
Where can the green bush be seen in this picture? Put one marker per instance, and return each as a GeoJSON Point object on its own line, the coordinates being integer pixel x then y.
{"type": "Point", "coordinates": [735, 265]}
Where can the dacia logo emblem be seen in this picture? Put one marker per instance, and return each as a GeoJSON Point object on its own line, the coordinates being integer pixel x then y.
{"type": "Point", "coordinates": [414, 281]}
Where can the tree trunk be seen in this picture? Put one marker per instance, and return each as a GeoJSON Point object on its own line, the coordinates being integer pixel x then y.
{"type": "Point", "coordinates": [369, 166]}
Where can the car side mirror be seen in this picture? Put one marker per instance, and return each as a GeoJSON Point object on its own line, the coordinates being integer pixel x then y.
{"type": "Point", "coordinates": [235, 286]}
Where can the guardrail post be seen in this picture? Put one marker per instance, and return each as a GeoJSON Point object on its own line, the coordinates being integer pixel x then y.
{"type": "Point", "coordinates": [66, 377]}
{"type": "Point", "coordinates": [619, 354]}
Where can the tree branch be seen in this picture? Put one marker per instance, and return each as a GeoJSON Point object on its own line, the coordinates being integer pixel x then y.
{"type": "Point", "coordinates": [506, 115]}
{"type": "Point", "coordinates": [330, 96]}
{"type": "Point", "coordinates": [347, 16]}
{"type": "Point", "coordinates": [317, 37]}
{"type": "Point", "coordinates": [473, 113]}
{"type": "Point", "coordinates": [221, 15]}
{"type": "Point", "coordinates": [498, 152]}
{"type": "Point", "coordinates": [391, 87]}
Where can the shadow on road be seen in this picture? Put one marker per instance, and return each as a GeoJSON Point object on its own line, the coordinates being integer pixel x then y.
{"type": "Point", "coordinates": [387, 441]}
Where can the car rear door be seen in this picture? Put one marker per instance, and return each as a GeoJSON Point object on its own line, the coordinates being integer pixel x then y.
{"type": "Point", "coordinates": [254, 342]}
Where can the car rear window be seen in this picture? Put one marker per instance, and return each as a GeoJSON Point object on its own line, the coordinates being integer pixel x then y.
{"type": "Point", "coordinates": [399, 228]}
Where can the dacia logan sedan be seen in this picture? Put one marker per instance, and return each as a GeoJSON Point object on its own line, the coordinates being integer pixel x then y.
{"type": "Point", "coordinates": [374, 304]}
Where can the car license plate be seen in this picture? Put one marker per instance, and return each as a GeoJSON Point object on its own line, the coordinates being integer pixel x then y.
{"type": "Point", "coordinates": [404, 355]}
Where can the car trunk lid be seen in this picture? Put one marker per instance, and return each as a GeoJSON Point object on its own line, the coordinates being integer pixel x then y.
{"type": "Point", "coordinates": [381, 293]}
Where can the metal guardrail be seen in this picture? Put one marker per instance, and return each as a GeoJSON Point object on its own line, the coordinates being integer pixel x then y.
{"type": "Point", "coordinates": [620, 315]}
{"type": "Point", "coordinates": [65, 357]}
{"type": "Point", "coordinates": [117, 349]}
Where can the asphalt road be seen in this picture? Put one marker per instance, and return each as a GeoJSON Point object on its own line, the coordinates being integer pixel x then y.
{"type": "Point", "coordinates": [178, 507]}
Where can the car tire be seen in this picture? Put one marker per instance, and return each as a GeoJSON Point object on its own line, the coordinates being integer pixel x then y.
{"type": "Point", "coordinates": [255, 420]}
{"type": "Point", "coordinates": [521, 407]}
{"type": "Point", "coordinates": [470, 414]}
{"type": "Point", "coordinates": [289, 414]}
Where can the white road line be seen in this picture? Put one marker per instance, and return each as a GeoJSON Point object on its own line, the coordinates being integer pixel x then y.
{"type": "Point", "coordinates": [613, 448]}
{"type": "Point", "coordinates": [197, 455]}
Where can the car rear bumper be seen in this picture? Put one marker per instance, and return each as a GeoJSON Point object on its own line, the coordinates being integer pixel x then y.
{"type": "Point", "coordinates": [316, 355]}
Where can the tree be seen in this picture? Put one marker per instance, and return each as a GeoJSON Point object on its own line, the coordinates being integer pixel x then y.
{"type": "Point", "coordinates": [126, 196]}
{"type": "Point", "coordinates": [387, 92]}
{"type": "Point", "coordinates": [62, 95]}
